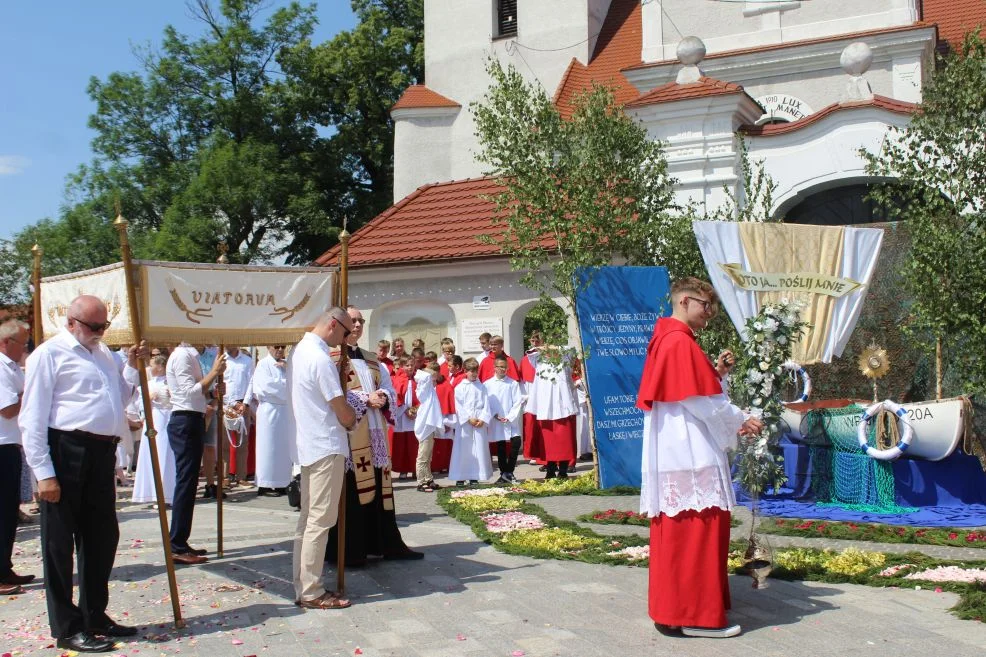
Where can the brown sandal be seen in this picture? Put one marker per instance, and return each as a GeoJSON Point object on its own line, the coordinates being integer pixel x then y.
{"type": "Point", "coordinates": [329, 600]}
{"type": "Point", "coordinates": [11, 589]}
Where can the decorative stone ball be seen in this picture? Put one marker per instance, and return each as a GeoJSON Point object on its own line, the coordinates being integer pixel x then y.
{"type": "Point", "coordinates": [691, 51]}
{"type": "Point", "coordinates": [856, 58]}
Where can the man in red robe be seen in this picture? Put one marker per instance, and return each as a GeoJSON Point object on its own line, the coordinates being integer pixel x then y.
{"type": "Point", "coordinates": [686, 486]}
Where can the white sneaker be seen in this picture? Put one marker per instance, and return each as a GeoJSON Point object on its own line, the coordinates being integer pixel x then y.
{"type": "Point", "coordinates": [709, 633]}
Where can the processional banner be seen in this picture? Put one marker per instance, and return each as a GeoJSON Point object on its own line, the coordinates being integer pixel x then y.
{"type": "Point", "coordinates": [824, 268]}
{"type": "Point", "coordinates": [617, 308]}
{"type": "Point", "coordinates": [199, 303]}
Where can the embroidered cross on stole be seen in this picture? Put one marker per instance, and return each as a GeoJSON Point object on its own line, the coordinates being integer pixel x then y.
{"type": "Point", "coordinates": [359, 440]}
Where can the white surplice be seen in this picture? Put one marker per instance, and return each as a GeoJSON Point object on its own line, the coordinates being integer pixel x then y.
{"type": "Point", "coordinates": [157, 387]}
{"type": "Point", "coordinates": [551, 396]}
{"type": "Point", "coordinates": [470, 449]}
{"type": "Point", "coordinates": [276, 447]}
{"type": "Point", "coordinates": [428, 422]}
{"type": "Point", "coordinates": [684, 463]}
{"type": "Point", "coordinates": [506, 401]}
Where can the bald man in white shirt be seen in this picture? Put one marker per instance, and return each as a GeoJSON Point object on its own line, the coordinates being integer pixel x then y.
{"type": "Point", "coordinates": [71, 419]}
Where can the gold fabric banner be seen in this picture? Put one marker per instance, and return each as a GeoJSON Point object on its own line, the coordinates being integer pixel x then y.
{"type": "Point", "coordinates": [108, 283]}
{"type": "Point", "coordinates": [798, 248]}
{"type": "Point", "coordinates": [760, 281]}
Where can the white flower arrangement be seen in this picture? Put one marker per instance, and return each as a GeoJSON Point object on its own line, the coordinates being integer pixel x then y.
{"type": "Point", "coordinates": [770, 337]}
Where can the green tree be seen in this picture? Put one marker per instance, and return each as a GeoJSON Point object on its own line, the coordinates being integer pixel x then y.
{"type": "Point", "coordinates": [349, 84]}
{"type": "Point", "coordinates": [549, 319]}
{"type": "Point", "coordinates": [205, 142]}
{"type": "Point", "coordinates": [577, 193]}
{"type": "Point", "coordinates": [938, 167]}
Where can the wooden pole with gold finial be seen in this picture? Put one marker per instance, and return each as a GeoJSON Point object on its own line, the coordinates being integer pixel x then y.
{"type": "Point", "coordinates": [221, 436]}
{"type": "Point", "coordinates": [121, 225]}
{"type": "Point", "coordinates": [37, 331]}
{"type": "Point", "coordinates": [343, 366]}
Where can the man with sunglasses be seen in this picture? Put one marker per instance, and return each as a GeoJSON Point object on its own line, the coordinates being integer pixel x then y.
{"type": "Point", "coordinates": [322, 419]}
{"type": "Point", "coordinates": [70, 421]}
{"type": "Point", "coordinates": [686, 484]}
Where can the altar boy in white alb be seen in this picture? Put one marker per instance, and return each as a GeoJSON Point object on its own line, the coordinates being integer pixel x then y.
{"type": "Point", "coordinates": [470, 449]}
{"type": "Point", "coordinates": [506, 402]}
{"type": "Point", "coordinates": [276, 447]}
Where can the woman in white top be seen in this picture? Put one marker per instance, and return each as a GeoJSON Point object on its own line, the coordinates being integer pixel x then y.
{"type": "Point", "coordinates": [161, 406]}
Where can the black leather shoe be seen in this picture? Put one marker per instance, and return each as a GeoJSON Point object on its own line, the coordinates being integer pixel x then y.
{"type": "Point", "coordinates": [14, 578]}
{"type": "Point", "coordinates": [405, 555]}
{"type": "Point", "coordinates": [112, 628]}
{"type": "Point", "coordinates": [85, 642]}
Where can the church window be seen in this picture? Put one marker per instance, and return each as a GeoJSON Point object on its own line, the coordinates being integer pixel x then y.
{"type": "Point", "coordinates": [506, 18]}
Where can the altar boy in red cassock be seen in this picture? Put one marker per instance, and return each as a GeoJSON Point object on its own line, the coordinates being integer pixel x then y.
{"type": "Point", "coordinates": [686, 486]}
{"type": "Point", "coordinates": [404, 452]}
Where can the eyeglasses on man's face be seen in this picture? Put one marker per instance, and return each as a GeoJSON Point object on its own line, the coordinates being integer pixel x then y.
{"type": "Point", "coordinates": [707, 306]}
{"type": "Point", "coordinates": [95, 328]}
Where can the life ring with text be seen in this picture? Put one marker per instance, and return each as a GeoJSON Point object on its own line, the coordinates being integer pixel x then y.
{"type": "Point", "coordinates": [791, 366]}
{"type": "Point", "coordinates": [906, 432]}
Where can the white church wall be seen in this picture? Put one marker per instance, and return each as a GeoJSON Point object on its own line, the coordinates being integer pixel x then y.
{"type": "Point", "coordinates": [737, 25]}
{"type": "Point", "coordinates": [422, 143]}
{"type": "Point", "coordinates": [379, 292]}
{"type": "Point", "coordinates": [824, 154]}
{"type": "Point", "coordinates": [460, 38]}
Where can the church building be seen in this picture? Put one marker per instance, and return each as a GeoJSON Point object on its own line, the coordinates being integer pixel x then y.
{"type": "Point", "coordinates": [806, 84]}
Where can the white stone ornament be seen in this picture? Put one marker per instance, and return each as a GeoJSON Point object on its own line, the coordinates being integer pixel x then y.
{"type": "Point", "coordinates": [690, 52]}
{"type": "Point", "coordinates": [855, 60]}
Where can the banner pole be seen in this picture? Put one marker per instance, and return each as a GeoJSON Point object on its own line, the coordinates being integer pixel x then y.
{"type": "Point", "coordinates": [37, 332]}
{"type": "Point", "coordinates": [222, 438]}
{"type": "Point", "coordinates": [121, 225]}
{"type": "Point", "coordinates": [343, 365]}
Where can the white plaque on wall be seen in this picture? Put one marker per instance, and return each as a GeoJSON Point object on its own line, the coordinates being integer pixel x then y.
{"type": "Point", "coordinates": [481, 302]}
{"type": "Point", "coordinates": [471, 329]}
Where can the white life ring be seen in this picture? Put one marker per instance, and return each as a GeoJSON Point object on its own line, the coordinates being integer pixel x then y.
{"type": "Point", "coordinates": [906, 433]}
{"type": "Point", "coordinates": [791, 366]}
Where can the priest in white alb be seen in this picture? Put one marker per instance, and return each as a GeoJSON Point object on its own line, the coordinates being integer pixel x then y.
{"type": "Point", "coordinates": [686, 486]}
{"type": "Point", "coordinates": [276, 449]}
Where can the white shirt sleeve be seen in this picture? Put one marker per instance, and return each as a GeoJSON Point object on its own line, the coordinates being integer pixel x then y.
{"type": "Point", "coordinates": [387, 385]}
{"type": "Point", "coordinates": [328, 381]}
{"type": "Point", "coordinates": [35, 412]}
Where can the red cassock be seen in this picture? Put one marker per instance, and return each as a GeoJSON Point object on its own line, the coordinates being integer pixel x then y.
{"type": "Point", "coordinates": [441, 455]}
{"type": "Point", "coordinates": [487, 368]}
{"type": "Point", "coordinates": [688, 580]}
{"type": "Point", "coordinates": [390, 366]}
{"type": "Point", "coordinates": [405, 453]}
{"type": "Point", "coordinates": [533, 442]}
{"type": "Point", "coordinates": [249, 443]}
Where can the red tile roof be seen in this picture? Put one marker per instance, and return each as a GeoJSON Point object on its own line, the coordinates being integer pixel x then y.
{"type": "Point", "coordinates": [441, 221]}
{"type": "Point", "coordinates": [618, 46]}
{"type": "Point", "coordinates": [954, 17]}
{"type": "Point", "coordinates": [889, 104]}
{"type": "Point", "coordinates": [418, 95]}
{"type": "Point", "coordinates": [673, 91]}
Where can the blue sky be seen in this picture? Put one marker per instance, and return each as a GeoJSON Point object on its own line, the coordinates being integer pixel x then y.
{"type": "Point", "coordinates": [48, 52]}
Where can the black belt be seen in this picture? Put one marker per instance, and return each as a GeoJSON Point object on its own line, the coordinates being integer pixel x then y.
{"type": "Point", "coordinates": [88, 435]}
{"type": "Point", "coordinates": [195, 413]}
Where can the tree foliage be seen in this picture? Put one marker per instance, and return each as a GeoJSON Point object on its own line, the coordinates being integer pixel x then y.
{"type": "Point", "coordinates": [938, 163]}
{"type": "Point", "coordinates": [581, 192]}
{"type": "Point", "coordinates": [245, 133]}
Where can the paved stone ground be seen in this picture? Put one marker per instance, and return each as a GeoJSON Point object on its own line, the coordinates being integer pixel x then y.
{"type": "Point", "coordinates": [464, 599]}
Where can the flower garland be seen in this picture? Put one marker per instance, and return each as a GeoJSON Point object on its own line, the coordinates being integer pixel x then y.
{"type": "Point", "coordinates": [756, 384]}
{"type": "Point", "coordinates": [496, 491]}
{"type": "Point", "coordinates": [499, 523]}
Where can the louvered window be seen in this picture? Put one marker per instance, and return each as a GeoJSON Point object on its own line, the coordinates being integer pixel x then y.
{"type": "Point", "coordinates": [506, 17]}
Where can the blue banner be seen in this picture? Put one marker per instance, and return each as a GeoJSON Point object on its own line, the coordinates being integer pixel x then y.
{"type": "Point", "coordinates": [617, 308]}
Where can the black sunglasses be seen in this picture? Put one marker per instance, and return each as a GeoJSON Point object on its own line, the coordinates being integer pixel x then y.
{"type": "Point", "coordinates": [95, 328]}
